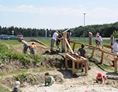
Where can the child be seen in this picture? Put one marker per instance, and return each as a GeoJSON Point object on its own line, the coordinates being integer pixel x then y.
{"type": "Point", "coordinates": [82, 52]}
{"type": "Point", "coordinates": [16, 85]}
{"type": "Point", "coordinates": [100, 78]}
{"type": "Point", "coordinates": [49, 80]}
{"type": "Point", "coordinates": [32, 48]}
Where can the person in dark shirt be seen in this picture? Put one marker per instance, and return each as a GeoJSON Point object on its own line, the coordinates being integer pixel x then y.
{"type": "Point", "coordinates": [58, 41]}
{"type": "Point", "coordinates": [82, 52]}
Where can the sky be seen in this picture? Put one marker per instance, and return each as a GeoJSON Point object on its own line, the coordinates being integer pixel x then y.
{"type": "Point", "coordinates": [57, 14]}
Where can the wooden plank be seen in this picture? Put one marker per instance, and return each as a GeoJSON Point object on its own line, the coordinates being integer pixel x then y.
{"type": "Point", "coordinates": [73, 67]}
{"type": "Point", "coordinates": [73, 47]}
{"type": "Point", "coordinates": [115, 64]}
{"type": "Point", "coordinates": [69, 56]}
{"type": "Point", "coordinates": [102, 56]}
{"type": "Point", "coordinates": [66, 62]}
{"type": "Point", "coordinates": [69, 46]}
{"type": "Point", "coordinates": [86, 66]}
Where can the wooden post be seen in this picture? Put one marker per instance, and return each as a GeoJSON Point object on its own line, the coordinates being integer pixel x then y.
{"type": "Point", "coordinates": [115, 64]}
{"type": "Point", "coordinates": [93, 52]}
{"type": "Point", "coordinates": [86, 66]}
{"type": "Point", "coordinates": [90, 38]}
{"type": "Point", "coordinates": [102, 56]}
{"type": "Point", "coordinates": [66, 62]}
{"type": "Point", "coordinates": [64, 47]}
{"type": "Point", "coordinates": [73, 46]}
{"type": "Point", "coordinates": [73, 67]}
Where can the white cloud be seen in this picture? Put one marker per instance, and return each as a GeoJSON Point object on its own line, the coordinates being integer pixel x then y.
{"type": "Point", "coordinates": [96, 12]}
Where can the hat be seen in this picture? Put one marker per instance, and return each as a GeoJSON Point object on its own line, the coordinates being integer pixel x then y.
{"type": "Point", "coordinates": [99, 75]}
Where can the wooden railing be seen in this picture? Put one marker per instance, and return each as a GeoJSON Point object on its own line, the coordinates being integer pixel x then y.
{"type": "Point", "coordinates": [102, 51]}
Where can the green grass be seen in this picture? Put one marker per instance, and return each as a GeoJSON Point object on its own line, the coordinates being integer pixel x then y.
{"type": "Point", "coordinates": [10, 42]}
{"type": "Point", "coordinates": [105, 67]}
{"type": "Point", "coordinates": [2, 89]}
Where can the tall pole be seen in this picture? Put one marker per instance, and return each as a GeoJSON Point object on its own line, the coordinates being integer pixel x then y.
{"type": "Point", "coordinates": [84, 18]}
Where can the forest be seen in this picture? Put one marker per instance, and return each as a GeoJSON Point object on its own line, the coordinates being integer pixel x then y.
{"type": "Point", "coordinates": [105, 30]}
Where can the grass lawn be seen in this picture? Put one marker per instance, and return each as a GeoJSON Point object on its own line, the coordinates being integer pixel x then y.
{"type": "Point", "coordinates": [46, 40]}
{"type": "Point", "coordinates": [2, 89]}
{"type": "Point", "coordinates": [10, 42]}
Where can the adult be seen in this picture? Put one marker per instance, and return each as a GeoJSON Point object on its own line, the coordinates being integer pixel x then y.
{"type": "Point", "coordinates": [98, 40]}
{"type": "Point", "coordinates": [49, 80]}
{"type": "Point", "coordinates": [53, 39]}
{"type": "Point", "coordinates": [115, 49]}
{"type": "Point", "coordinates": [112, 39]}
{"type": "Point", "coordinates": [26, 45]}
{"type": "Point", "coordinates": [33, 48]}
{"type": "Point", "coordinates": [58, 41]}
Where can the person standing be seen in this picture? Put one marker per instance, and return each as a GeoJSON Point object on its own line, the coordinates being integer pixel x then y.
{"type": "Point", "coordinates": [115, 49]}
{"type": "Point", "coordinates": [33, 48]}
{"type": "Point", "coordinates": [53, 39]}
{"type": "Point", "coordinates": [26, 45]}
{"type": "Point", "coordinates": [112, 39]}
{"type": "Point", "coordinates": [58, 41]}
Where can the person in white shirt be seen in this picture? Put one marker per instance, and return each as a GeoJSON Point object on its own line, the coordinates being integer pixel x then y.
{"type": "Point", "coordinates": [53, 39]}
{"type": "Point", "coordinates": [115, 47]}
{"type": "Point", "coordinates": [16, 86]}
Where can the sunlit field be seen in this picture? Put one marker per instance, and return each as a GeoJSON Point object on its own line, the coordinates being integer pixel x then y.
{"type": "Point", "coordinates": [46, 40]}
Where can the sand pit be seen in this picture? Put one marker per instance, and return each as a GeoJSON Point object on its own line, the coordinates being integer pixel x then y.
{"type": "Point", "coordinates": [70, 88]}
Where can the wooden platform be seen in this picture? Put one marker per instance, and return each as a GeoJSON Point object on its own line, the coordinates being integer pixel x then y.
{"type": "Point", "coordinates": [76, 59]}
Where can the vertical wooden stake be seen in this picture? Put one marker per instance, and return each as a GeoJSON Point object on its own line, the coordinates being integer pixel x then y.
{"type": "Point", "coordinates": [66, 62]}
{"type": "Point", "coordinates": [102, 56]}
{"type": "Point", "coordinates": [73, 66]}
{"type": "Point", "coordinates": [86, 66]}
{"type": "Point", "coordinates": [73, 46]}
{"type": "Point", "coordinates": [93, 52]}
{"type": "Point", "coordinates": [115, 64]}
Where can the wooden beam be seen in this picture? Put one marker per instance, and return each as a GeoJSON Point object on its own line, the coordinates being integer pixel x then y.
{"type": "Point", "coordinates": [115, 64]}
{"type": "Point", "coordinates": [69, 46]}
{"type": "Point", "coordinates": [64, 46]}
{"type": "Point", "coordinates": [73, 47]}
{"type": "Point", "coordinates": [102, 56]}
{"type": "Point", "coordinates": [73, 67]}
{"type": "Point", "coordinates": [86, 66]}
{"type": "Point", "coordinates": [66, 62]}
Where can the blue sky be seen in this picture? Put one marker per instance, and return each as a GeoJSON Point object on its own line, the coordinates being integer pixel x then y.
{"type": "Point", "coordinates": [57, 14]}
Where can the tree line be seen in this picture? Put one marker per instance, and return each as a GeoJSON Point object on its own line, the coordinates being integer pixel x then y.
{"type": "Point", "coordinates": [105, 30]}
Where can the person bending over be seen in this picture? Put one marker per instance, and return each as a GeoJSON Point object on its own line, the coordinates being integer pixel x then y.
{"type": "Point", "coordinates": [49, 80]}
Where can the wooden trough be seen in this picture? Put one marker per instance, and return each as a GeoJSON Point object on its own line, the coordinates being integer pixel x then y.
{"type": "Point", "coordinates": [76, 59]}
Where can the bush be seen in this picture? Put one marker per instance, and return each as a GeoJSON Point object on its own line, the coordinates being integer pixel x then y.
{"type": "Point", "coordinates": [25, 59]}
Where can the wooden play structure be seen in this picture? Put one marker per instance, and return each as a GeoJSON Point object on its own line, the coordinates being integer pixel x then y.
{"type": "Point", "coordinates": [103, 52]}
{"type": "Point", "coordinates": [72, 56]}
{"type": "Point", "coordinates": [77, 59]}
